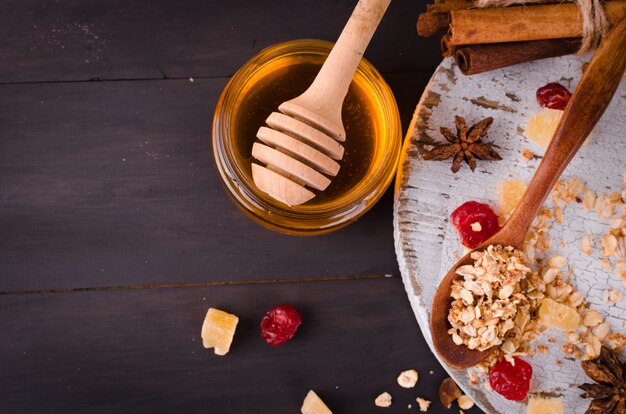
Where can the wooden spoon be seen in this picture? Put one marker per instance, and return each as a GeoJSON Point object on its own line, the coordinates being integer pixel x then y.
{"type": "Point", "coordinates": [300, 148]}
{"type": "Point", "coordinates": [591, 97]}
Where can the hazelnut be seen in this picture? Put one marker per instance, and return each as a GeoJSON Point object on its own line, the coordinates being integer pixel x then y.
{"type": "Point", "coordinates": [383, 400]}
{"type": "Point", "coordinates": [448, 392]}
{"type": "Point", "coordinates": [465, 402]}
{"type": "Point", "coordinates": [408, 378]}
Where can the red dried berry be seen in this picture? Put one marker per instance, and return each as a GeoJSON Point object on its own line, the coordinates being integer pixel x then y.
{"type": "Point", "coordinates": [553, 96]}
{"type": "Point", "coordinates": [511, 381]}
{"type": "Point", "coordinates": [473, 212]}
{"type": "Point", "coordinates": [280, 324]}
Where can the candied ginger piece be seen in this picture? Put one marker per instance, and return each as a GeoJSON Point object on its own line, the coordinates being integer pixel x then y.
{"type": "Point", "coordinates": [314, 405]}
{"type": "Point", "coordinates": [510, 192]}
{"type": "Point", "coordinates": [545, 406]}
{"type": "Point", "coordinates": [218, 330]}
{"type": "Point", "coordinates": [556, 315]}
{"type": "Point", "coordinates": [541, 126]}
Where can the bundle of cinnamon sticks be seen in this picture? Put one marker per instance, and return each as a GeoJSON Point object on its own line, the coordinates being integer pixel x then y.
{"type": "Point", "coordinates": [485, 39]}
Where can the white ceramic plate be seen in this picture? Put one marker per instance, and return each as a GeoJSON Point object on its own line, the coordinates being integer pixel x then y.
{"type": "Point", "coordinates": [427, 192]}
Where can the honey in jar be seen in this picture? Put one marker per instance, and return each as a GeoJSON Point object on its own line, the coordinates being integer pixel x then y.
{"type": "Point", "coordinates": [372, 142]}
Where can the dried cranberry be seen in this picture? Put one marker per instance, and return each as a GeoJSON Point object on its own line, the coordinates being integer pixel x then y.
{"type": "Point", "coordinates": [475, 222]}
{"type": "Point", "coordinates": [553, 96]}
{"type": "Point", "coordinates": [511, 381]}
{"type": "Point", "coordinates": [280, 324]}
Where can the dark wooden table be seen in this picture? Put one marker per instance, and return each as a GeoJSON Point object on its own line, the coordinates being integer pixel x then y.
{"type": "Point", "coordinates": [116, 235]}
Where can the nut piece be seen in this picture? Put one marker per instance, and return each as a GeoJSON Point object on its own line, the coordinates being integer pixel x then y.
{"type": "Point", "coordinates": [603, 206]}
{"type": "Point", "coordinates": [527, 154]}
{"type": "Point", "coordinates": [603, 330]}
{"type": "Point", "coordinates": [550, 274]}
{"type": "Point", "coordinates": [408, 378]}
{"type": "Point", "coordinates": [620, 268]}
{"type": "Point", "coordinates": [558, 215]}
{"type": "Point", "coordinates": [218, 330]}
{"type": "Point", "coordinates": [383, 400]}
{"type": "Point", "coordinates": [585, 244]}
{"type": "Point", "coordinates": [423, 403]}
{"type": "Point", "coordinates": [614, 296]}
{"type": "Point", "coordinates": [608, 243]}
{"type": "Point", "coordinates": [592, 318]}
{"type": "Point", "coordinates": [313, 404]}
{"type": "Point", "coordinates": [448, 392]}
{"type": "Point", "coordinates": [557, 262]}
{"type": "Point", "coordinates": [465, 402]}
{"type": "Point", "coordinates": [589, 199]}
{"type": "Point", "coordinates": [605, 264]}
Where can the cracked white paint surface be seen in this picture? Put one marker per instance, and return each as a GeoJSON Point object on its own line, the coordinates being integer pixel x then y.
{"type": "Point", "coordinates": [427, 192]}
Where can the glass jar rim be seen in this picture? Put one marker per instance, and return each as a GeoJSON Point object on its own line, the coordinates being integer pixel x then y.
{"type": "Point", "coordinates": [313, 217]}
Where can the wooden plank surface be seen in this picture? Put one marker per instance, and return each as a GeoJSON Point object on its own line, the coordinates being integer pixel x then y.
{"type": "Point", "coordinates": [152, 39]}
{"type": "Point", "coordinates": [113, 183]}
{"type": "Point", "coordinates": [140, 350]}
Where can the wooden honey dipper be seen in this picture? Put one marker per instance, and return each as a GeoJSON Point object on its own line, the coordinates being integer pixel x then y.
{"type": "Point", "coordinates": [300, 148]}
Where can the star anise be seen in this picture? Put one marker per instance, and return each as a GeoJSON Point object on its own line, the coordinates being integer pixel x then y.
{"type": "Point", "coordinates": [609, 392]}
{"type": "Point", "coordinates": [466, 145]}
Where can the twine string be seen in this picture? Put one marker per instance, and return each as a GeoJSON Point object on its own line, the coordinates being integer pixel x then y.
{"type": "Point", "coordinates": [594, 21]}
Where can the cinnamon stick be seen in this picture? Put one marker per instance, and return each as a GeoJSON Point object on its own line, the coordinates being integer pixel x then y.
{"type": "Point", "coordinates": [437, 18]}
{"type": "Point", "coordinates": [444, 6]}
{"type": "Point", "coordinates": [523, 23]}
{"type": "Point", "coordinates": [447, 49]}
{"type": "Point", "coordinates": [475, 59]}
{"type": "Point", "coordinates": [430, 23]}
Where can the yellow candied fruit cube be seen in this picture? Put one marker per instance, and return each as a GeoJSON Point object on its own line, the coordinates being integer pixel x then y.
{"type": "Point", "coordinates": [556, 315]}
{"type": "Point", "coordinates": [541, 126]}
{"type": "Point", "coordinates": [545, 406]}
{"type": "Point", "coordinates": [313, 404]}
{"type": "Point", "coordinates": [218, 330]}
{"type": "Point", "coordinates": [510, 192]}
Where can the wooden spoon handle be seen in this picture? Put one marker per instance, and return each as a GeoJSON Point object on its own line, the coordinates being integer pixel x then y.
{"type": "Point", "coordinates": [333, 80]}
{"type": "Point", "coordinates": [591, 97]}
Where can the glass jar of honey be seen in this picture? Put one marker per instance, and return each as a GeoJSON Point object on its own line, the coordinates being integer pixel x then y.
{"type": "Point", "coordinates": [372, 146]}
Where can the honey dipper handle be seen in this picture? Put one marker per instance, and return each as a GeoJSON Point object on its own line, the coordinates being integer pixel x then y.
{"type": "Point", "coordinates": [591, 97]}
{"type": "Point", "coordinates": [332, 82]}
